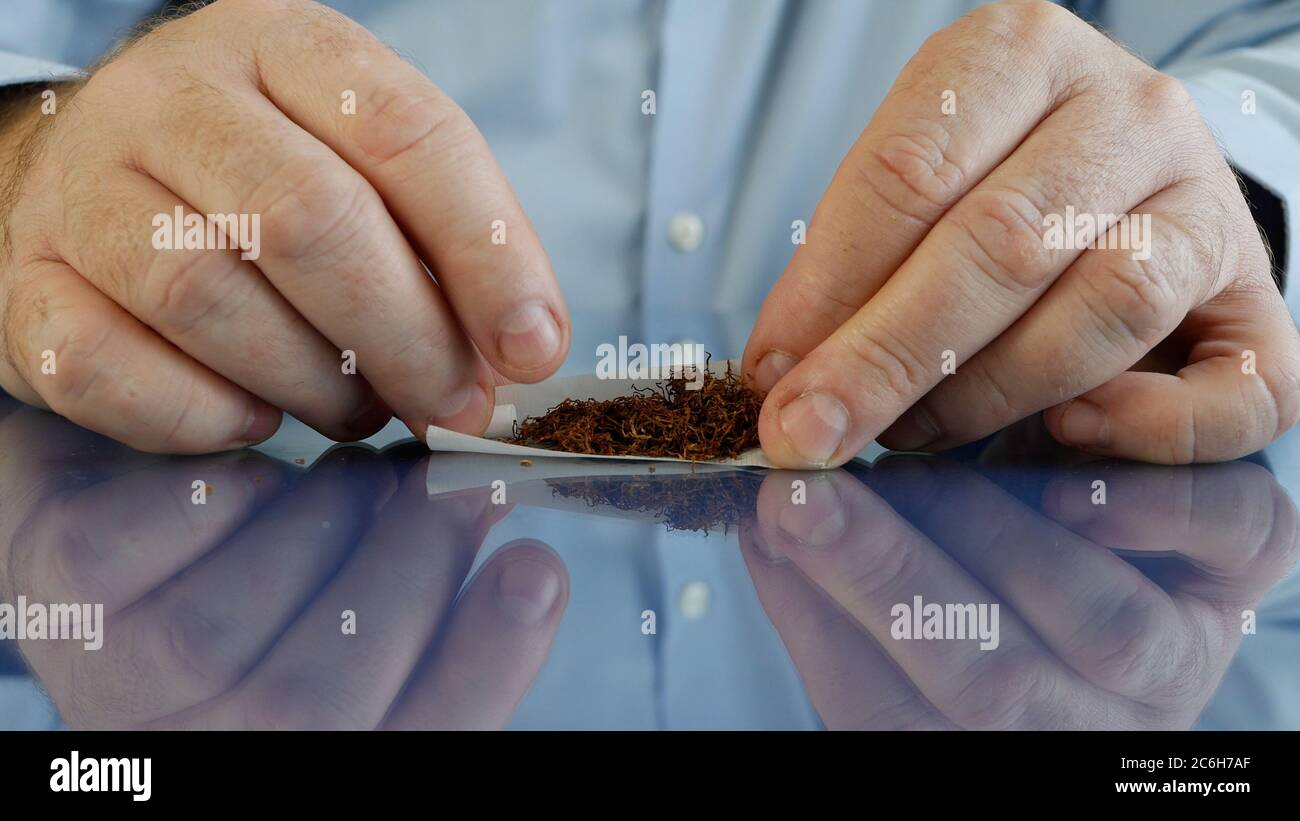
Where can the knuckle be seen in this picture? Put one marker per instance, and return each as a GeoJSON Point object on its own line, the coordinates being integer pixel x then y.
{"type": "Point", "coordinates": [885, 361]}
{"type": "Point", "coordinates": [1005, 689]}
{"type": "Point", "coordinates": [306, 213]}
{"type": "Point", "coordinates": [76, 565]}
{"type": "Point", "coordinates": [1004, 233]}
{"type": "Point", "coordinates": [1164, 99]}
{"type": "Point", "coordinates": [913, 172]}
{"type": "Point", "coordinates": [1133, 298]}
{"type": "Point", "coordinates": [76, 381]}
{"type": "Point", "coordinates": [1118, 641]}
{"type": "Point", "coordinates": [129, 70]}
{"type": "Point", "coordinates": [410, 119]}
{"type": "Point", "coordinates": [1023, 21]}
{"type": "Point", "coordinates": [195, 647]}
{"type": "Point", "coordinates": [821, 298]}
{"type": "Point", "coordinates": [202, 113]}
{"type": "Point", "coordinates": [184, 289]}
{"type": "Point", "coordinates": [896, 562]}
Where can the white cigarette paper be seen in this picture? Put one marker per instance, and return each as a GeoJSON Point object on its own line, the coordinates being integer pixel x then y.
{"type": "Point", "coordinates": [515, 403]}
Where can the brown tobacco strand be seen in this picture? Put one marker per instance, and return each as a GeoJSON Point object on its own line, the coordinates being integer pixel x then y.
{"type": "Point", "coordinates": [718, 421]}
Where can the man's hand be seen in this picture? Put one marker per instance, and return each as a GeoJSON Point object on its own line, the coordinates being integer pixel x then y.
{"type": "Point", "coordinates": [243, 108]}
{"type": "Point", "coordinates": [933, 246]}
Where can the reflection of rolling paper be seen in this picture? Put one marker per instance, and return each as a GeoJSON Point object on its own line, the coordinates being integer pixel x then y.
{"type": "Point", "coordinates": [453, 472]}
{"type": "Point", "coordinates": [518, 402]}
{"type": "Point", "coordinates": [692, 496]}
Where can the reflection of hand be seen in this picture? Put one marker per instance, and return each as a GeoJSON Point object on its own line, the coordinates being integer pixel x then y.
{"type": "Point", "coordinates": [229, 615]}
{"type": "Point", "coordinates": [933, 245]}
{"type": "Point", "coordinates": [1086, 639]}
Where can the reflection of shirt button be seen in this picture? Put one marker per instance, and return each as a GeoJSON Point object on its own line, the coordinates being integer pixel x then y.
{"type": "Point", "coordinates": [693, 601]}
{"type": "Point", "coordinates": [686, 231]}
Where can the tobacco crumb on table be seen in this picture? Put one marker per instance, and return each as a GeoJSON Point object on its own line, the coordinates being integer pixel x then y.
{"type": "Point", "coordinates": [718, 421]}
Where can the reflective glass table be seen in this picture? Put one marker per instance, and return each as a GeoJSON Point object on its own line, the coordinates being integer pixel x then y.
{"type": "Point", "coordinates": [1010, 584]}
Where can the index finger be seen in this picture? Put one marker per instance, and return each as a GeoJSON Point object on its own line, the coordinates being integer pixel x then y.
{"type": "Point", "coordinates": [437, 176]}
{"type": "Point", "coordinates": [943, 126]}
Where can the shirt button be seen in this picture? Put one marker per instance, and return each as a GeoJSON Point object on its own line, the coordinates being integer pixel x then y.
{"type": "Point", "coordinates": [693, 601]}
{"type": "Point", "coordinates": [686, 231]}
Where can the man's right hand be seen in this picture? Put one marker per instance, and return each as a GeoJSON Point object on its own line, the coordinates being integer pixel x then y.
{"type": "Point", "coordinates": [242, 108]}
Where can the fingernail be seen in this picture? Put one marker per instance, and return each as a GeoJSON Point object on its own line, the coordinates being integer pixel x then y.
{"type": "Point", "coordinates": [526, 590]}
{"type": "Point", "coordinates": [815, 425]}
{"type": "Point", "coordinates": [912, 431]}
{"type": "Point", "coordinates": [263, 421]}
{"type": "Point", "coordinates": [529, 337]}
{"type": "Point", "coordinates": [371, 416]}
{"type": "Point", "coordinates": [770, 369]}
{"type": "Point", "coordinates": [819, 520]}
{"type": "Point", "coordinates": [1083, 423]}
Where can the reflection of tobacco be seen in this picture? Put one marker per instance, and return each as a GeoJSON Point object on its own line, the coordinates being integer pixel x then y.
{"type": "Point", "coordinates": [718, 421]}
{"type": "Point", "coordinates": [698, 501]}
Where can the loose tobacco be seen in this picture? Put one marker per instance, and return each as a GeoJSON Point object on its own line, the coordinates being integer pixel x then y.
{"type": "Point", "coordinates": [717, 421]}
